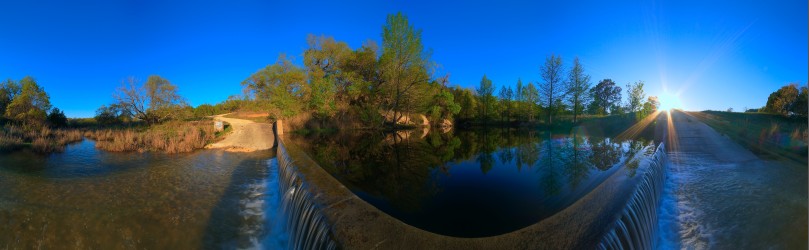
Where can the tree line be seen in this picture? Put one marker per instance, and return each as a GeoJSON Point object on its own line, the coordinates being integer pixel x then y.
{"type": "Point", "coordinates": [25, 103]}
{"type": "Point", "coordinates": [559, 92]}
{"type": "Point", "coordinates": [387, 84]}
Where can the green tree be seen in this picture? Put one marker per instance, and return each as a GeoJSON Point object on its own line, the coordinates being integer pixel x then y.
{"type": "Point", "coordinates": [518, 99]}
{"type": "Point", "coordinates": [782, 100]}
{"type": "Point", "coordinates": [360, 78]}
{"type": "Point", "coordinates": [800, 105]}
{"type": "Point", "coordinates": [468, 102]}
{"type": "Point", "coordinates": [30, 106]}
{"type": "Point", "coordinates": [530, 96]}
{"type": "Point", "coordinates": [506, 94]}
{"type": "Point", "coordinates": [154, 102]}
{"type": "Point", "coordinates": [443, 105]}
{"type": "Point", "coordinates": [605, 96]}
{"type": "Point", "coordinates": [551, 90]}
{"type": "Point", "coordinates": [205, 110]}
{"type": "Point", "coordinates": [324, 61]}
{"type": "Point", "coordinates": [8, 90]}
{"type": "Point", "coordinates": [650, 106]}
{"type": "Point", "coordinates": [485, 94]}
{"type": "Point", "coordinates": [113, 114]}
{"type": "Point", "coordinates": [404, 66]}
{"type": "Point", "coordinates": [282, 85]}
{"type": "Point", "coordinates": [635, 96]}
{"type": "Point", "coordinates": [57, 118]}
{"type": "Point", "coordinates": [578, 84]}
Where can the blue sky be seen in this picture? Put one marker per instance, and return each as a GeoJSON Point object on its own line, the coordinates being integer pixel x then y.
{"type": "Point", "coordinates": [711, 54]}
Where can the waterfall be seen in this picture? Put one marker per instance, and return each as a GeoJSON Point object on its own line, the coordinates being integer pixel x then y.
{"type": "Point", "coordinates": [306, 225]}
{"type": "Point", "coordinates": [636, 227]}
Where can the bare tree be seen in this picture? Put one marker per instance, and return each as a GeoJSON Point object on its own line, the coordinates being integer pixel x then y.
{"type": "Point", "coordinates": [154, 102]}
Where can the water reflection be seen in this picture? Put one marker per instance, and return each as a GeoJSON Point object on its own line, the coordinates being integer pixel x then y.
{"type": "Point", "coordinates": [472, 183]}
{"type": "Point", "coordinates": [88, 199]}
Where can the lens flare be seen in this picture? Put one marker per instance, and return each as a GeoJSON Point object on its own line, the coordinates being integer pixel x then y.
{"type": "Point", "coordinates": [669, 101]}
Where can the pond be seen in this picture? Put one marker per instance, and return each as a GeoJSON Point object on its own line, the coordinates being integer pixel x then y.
{"type": "Point", "coordinates": [473, 183]}
{"type": "Point", "coordinates": [85, 198]}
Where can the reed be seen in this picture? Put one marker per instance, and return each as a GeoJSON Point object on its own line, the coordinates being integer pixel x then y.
{"type": "Point", "coordinates": [42, 140]}
{"type": "Point", "coordinates": [173, 137]}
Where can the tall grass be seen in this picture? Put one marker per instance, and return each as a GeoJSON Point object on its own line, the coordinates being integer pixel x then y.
{"type": "Point", "coordinates": [172, 137]}
{"type": "Point", "coordinates": [43, 140]}
{"type": "Point", "coordinates": [769, 134]}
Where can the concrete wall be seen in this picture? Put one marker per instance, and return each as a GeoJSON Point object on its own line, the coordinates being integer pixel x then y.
{"type": "Point", "coordinates": [355, 224]}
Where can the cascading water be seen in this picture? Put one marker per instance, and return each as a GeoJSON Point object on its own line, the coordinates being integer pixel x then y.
{"type": "Point", "coordinates": [637, 225]}
{"type": "Point", "coordinates": [306, 225]}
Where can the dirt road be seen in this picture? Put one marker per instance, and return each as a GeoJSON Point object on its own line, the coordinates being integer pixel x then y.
{"type": "Point", "coordinates": [246, 136]}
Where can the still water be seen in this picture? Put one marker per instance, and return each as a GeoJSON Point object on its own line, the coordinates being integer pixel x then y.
{"type": "Point", "coordinates": [84, 198]}
{"type": "Point", "coordinates": [473, 183]}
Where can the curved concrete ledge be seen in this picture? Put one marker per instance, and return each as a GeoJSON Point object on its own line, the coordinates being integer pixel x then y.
{"type": "Point", "coordinates": [356, 224]}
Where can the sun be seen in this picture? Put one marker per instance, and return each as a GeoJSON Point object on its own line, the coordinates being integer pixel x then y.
{"type": "Point", "coordinates": [669, 101]}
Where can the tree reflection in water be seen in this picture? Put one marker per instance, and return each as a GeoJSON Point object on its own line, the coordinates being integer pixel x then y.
{"type": "Point", "coordinates": [417, 176]}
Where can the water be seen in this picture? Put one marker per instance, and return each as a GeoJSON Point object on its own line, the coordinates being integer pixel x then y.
{"type": "Point", "coordinates": [710, 204]}
{"type": "Point", "coordinates": [473, 183]}
{"type": "Point", "coordinates": [305, 223]}
{"type": "Point", "coordinates": [638, 223]}
{"type": "Point", "coordinates": [85, 198]}
{"type": "Point", "coordinates": [719, 195]}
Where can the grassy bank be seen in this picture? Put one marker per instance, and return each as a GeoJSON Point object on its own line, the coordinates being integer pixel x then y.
{"type": "Point", "coordinates": [771, 135]}
{"type": "Point", "coordinates": [42, 140]}
{"type": "Point", "coordinates": [171, 137]}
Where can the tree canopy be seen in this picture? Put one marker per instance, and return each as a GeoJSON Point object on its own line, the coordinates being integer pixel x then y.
{"type": "Point", "coordinates": [30, 106]}
{"type": "Point", "coordinates": [155, 101]}
{"type": "Point", "coordinates": [787, 99]}
{"type": "Point", "coordinates": [606, 96]}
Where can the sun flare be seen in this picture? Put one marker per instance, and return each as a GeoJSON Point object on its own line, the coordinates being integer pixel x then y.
{"type": "Point", "coordinates": [669, 101]}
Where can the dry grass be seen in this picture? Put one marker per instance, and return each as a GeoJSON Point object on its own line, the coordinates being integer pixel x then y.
{"type": "Point", "coordinates": [173, 137]}
{"type": "Point", "coordinates": [43, 140]}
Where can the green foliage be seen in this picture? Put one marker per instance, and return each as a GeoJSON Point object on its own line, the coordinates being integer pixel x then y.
{"type": "Point", "coordinates": [606, 98]}
{"type": "Point", "coordinates": [324, 61]}
{"type": "Point", "coordinates": [551, 90]}
{"type": "Point", "coordinates": [282, 84]}
{"type": "Point", "coordinates": [485, 94]}
{"type": "Point", "coordinates": [801, 102]}
{"type": "Point", "coordinates": [530, 96]}
{"type": "Point", "coordinates": [578, 84]}
{"type": "Point", "coordinates": [114, 114]}
{"type": "Point", "coordinates": [30, 106]}
{"type": "Point", "coordinates": [787, 99]}
{"type": "Point", "coordinates": [506, 95]}
{"type": "Point", "coordinates": [650, 106]}
{"type": "Point", "coordinates": [635, 96]}
{"type": "Point", "coordinates": [468, 103]}
{"type": "Point", "coordinates": [443, 106]}
{"type": "Point", "coordinates": [405, 68]}
{"type": "Point", "coordinates": [206, 110]}
{"type": "Point", "coordinates": [57, 118]}
{"type": "Point", "coordinates": [8, 90]}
